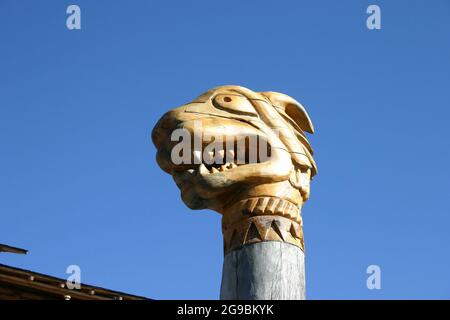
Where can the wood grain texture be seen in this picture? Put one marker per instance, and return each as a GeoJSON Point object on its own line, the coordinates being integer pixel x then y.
{"type": "Point", "coordinates": [270, 270]}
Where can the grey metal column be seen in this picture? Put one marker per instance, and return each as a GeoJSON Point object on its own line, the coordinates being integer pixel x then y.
{"type": "Point", "coordinates": [269, 270]}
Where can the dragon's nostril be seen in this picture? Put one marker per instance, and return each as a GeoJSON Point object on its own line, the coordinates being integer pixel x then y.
{"type": "Point", "coordinates": [227, 99]}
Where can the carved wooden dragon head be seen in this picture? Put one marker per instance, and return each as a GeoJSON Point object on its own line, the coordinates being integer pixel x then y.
{"type": "Point", "coordinates": [245, 155]}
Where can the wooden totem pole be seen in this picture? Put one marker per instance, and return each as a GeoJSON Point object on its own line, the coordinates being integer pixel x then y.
{"type": "Point", "coordinates": [244, 154]}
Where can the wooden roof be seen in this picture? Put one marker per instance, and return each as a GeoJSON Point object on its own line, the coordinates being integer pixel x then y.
{"type": "Point", "coordinates": [6, 248]}
{"type": "Point", "coordinates": [20, 284]}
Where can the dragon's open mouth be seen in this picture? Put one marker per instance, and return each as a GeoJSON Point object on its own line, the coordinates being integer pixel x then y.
{"type": "Point", "coordinates": [231, 153]}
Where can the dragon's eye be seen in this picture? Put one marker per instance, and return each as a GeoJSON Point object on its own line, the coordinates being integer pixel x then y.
{"type": "Point", "coordinates": [234, 103]}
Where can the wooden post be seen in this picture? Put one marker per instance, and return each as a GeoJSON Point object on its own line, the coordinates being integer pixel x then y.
{"type": "Point", "coordinates": [270, 270]}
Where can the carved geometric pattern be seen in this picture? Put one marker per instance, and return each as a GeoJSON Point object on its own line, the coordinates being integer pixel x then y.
{"type": "Point", "coordinates": [262, 228]}
{"type": "Point", "coordinates": [263, 206]}
{"type": "Point", "coordinates": [270, 205]}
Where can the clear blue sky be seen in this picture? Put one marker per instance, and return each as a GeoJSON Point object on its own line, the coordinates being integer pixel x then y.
{"type": "Point", "coordinates": [79, 183]}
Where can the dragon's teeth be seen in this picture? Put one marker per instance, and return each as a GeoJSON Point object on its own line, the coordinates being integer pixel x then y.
{"type": "Point", "coordinates": [220, 154]}
{"type": "Point", "coordinates": [202, 169]}
{"type": "Point", "coordinates": [197, 157]}
{"type": "Point", "coordinates": [229, 156]}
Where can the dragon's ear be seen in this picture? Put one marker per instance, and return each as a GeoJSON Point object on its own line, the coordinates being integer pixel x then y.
{"type": "Point", "coordinates": [290, 109]}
